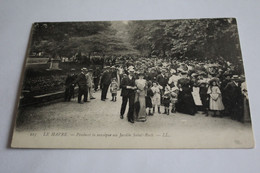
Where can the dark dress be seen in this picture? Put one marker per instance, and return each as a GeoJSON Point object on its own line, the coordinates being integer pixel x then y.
{"type": "Point", "coordinates": [69, 84]}
{"type": "Point", "coordinates": [185, 102]}
{"type": "Point", "coordinates": [148, 100]}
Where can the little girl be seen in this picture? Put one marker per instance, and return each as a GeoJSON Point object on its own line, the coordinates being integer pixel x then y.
{"type": "Point", "coordinates": [148, 98]}
{"type": "Point", "coordinates": [156, 99]}
{"type": "Point", "coordinates": [167, 99]}
{"type": "Point", "coordinates": [215, 102]}
{"type": "Point", "coordinates": [113, 89]}
{"type": "Point", "coordinates": [174, 97]}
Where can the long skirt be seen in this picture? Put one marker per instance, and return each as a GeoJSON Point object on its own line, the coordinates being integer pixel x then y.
{"type": "Point", "coordinates": [140, 109]}
{"type": "Point", "coordinates": [216, 105]}
{"type": "Point", "coordinates": [185, 103]}
{"type": "Point", "coordinates": [246, 116]}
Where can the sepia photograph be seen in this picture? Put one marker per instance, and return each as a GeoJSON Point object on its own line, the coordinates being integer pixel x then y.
{"type": "Point", "coordinates": [135, 84]}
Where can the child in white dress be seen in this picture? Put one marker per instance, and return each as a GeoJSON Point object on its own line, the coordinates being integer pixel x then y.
{"type": "Point", "coordinates": [156, 98]}
{"type": "Point", "coordinates": [215, 102]}
{"type": "Point", "coordinates": [113, 89]}
{"type": "Point", "coordinates": [174, 98]}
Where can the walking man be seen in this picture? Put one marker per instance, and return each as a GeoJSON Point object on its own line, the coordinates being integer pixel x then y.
{"type": "Point", "coordinates": [96, 78]}
{"type": "Point", "coordinates": [128, 94]}
{"type": "Point", "coordinates": [104, 83]}
{"type": "Point", "coordinates": [82, 83]}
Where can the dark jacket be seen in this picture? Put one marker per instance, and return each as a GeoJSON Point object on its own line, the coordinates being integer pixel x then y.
{"type": "Point", "coordinates": [233, 93]}
{"type": "Point", "coordinates": [106, 78]}
{"type": "Point", "coordinates": [96, 73]}
{"type": "Point", "coordinates": [162, 80]}
{"type": "Point", "coordinates": [81, 80]}
{"type": "Point", "coordinates": [127, 82]}
{"type": "Point", "coordinates": [70, 80]}
{"type": "Point", "coordinates": [151, 76]}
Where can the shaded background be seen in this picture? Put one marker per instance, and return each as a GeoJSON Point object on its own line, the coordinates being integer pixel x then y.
{"type": "Point", "coordinates": [16, 18]}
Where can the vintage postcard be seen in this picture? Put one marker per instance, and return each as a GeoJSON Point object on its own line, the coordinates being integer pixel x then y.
{"type": "Point", "coordinates": [151, 84]}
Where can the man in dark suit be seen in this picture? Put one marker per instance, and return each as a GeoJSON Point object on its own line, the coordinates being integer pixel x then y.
{"type": "Point", "coordinates": [104, 83]}
{"type": "Point", "coordinates": [162, 79]}
{"type": "Point", "coordinates": [128, 94]}
{"type": "Point", "coordinates": [82, 83]}
{"type": "Point", "coordinates": [234, 98]}
{"type": "Point", "coordinates": [151, 75]}
{"type": "Point", "coordinates": [96, 77]}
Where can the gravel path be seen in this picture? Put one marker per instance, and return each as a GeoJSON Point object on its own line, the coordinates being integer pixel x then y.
{"type": "Point", "coordinates": [103, 116]}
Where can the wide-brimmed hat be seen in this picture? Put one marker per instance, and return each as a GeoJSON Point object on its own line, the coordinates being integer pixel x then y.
{"type": "Point", "coordinates": [183, 72]}
{"type": "Point", "coordinates": [213, 80]}
{"type": "Point", "coordinates": [131, 69]}
{"type": "Point", "coordinates": [163, 70]}
{"type": "Point", "coordinates": [194, 74]}
{"type": "Point", "coordinates": [242, 77]}
{"type": "Point", "coordinates": [235, 77]}
{"type": "Point", "coordinates": [173, 71]}
{"type": "Point", "coordinates": [203, 81]}
{"type": "Point", "coordinates": [84, 69]}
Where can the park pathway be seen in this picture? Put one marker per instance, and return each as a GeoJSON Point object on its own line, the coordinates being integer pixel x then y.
{"type": "Point", "coordinates": [102, 116]}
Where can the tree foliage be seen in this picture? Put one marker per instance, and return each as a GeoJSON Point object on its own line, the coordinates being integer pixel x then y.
{"type": "Point", "coordinates": [67, 39]}
{"type": "Point", "coordinates": [194, 38]}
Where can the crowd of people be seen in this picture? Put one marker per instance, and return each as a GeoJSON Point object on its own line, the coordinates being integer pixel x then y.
{"type": "Point", "coordinates": [165, 86]}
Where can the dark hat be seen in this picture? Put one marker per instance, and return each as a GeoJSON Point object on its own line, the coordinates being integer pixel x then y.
{"type": "Point", "coordinates": [184, 72]}
{"type": "Point", "coordinates": [140, 74]}
{"type": "Point", "coordinates": [213, 80]}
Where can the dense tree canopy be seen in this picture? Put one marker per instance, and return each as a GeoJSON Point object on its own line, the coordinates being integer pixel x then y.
{"type": "Point", "coordinates": [194, 38]}
{"type": "Point", "coordinates": [67, 39]}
